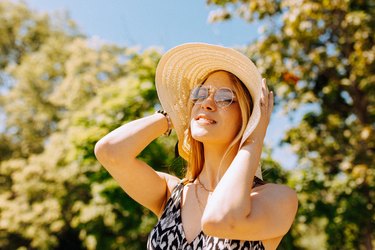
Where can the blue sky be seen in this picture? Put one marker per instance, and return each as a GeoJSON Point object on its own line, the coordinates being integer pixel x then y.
{"type": "Point", "coordinates": [164, 24]}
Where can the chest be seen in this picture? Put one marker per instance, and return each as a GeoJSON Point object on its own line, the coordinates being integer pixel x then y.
{"type": "Point", "coordinates": [180, 226]}
{"type": "Point", "coordinates": [193, 202]}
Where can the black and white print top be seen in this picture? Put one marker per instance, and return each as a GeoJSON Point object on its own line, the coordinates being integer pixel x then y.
{"type": "Point", "coordinates": [168, 233]}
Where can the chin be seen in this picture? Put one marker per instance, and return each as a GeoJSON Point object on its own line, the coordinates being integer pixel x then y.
{"type": "Point", "coordinates": [210, 134]}
{"type": "Point", "coordinates": [200, 136]}
{"type": "Point", "coordinates": [206, 138]}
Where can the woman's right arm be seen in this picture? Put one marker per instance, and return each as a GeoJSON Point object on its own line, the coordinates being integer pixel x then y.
{"type": "Point", "coordinates": [117, 152]}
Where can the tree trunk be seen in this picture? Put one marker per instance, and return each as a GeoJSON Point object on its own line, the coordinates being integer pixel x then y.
{"type": "Point", "coordinates": [368, 240]}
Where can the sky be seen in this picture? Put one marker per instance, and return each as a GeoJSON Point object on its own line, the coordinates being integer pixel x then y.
{"type": "Point", "coordinates": [164, 24]}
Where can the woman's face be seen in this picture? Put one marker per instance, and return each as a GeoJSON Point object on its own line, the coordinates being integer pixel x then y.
{"type": "Point", "coordinates": [210, 122]}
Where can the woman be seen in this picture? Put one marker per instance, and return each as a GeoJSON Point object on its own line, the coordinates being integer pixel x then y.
{"type": "Point", "coordinates": [220, 107]}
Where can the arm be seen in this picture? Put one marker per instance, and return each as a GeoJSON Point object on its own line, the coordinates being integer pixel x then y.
{"type": "Point", "coordinates": [117, 152]}
{"type": "Point", "coordinates": [237, 211]}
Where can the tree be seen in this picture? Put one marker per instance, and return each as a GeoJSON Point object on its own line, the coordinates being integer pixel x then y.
{"type": "Point", "coordinates": [23, 33]}
{"type": "Point", "coordinates": [66, 92]}
{"type": "Point", "coordinates": [320, 55]}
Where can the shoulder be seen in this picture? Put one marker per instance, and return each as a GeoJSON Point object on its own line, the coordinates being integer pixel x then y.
{"type": "Point", "coordinates": [171, 181]}
{"type": "Point", "coordinates": [273, 187]}
{"type": "Point", "coordinates": [277, 194]}
{"type": "Point", "coordinates": [276, 190]}
{"type": "Point", "coordinates": [278, 205]}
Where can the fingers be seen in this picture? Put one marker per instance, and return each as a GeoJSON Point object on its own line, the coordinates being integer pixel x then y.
{"type": "Point", "coordinates": [264, 86]}
{"type": "Point", "coordinates": [263, 95]}
{"type": "Point", "coordinates": [266, 99]}
{"type": "Point", "coordinates": [270, 102]}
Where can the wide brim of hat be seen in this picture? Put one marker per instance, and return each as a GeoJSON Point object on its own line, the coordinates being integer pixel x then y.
{"type": "Point", "coordinates": [187, 65]}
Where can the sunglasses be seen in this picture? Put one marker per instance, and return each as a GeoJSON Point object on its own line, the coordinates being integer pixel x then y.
{"type": "Point", "coordinates": [223, 97]}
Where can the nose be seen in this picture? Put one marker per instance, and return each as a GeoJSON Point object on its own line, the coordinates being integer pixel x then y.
{"type": "Point", "coordinates": [209, 103]}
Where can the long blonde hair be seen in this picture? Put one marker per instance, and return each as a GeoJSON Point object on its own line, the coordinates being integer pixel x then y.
{"type": "Point", "coordinates": [196, 154]}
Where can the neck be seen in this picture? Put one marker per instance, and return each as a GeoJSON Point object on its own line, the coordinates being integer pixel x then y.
{"type": "Point", "coordinates": [215, 165]}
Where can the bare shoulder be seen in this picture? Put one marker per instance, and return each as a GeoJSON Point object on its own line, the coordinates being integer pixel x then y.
{"type": "Point", "coordinates": [283, 195]}
{"type": "Point", "coordinates": [170, 180]}
{"type": "Point", "coordinates": [273, 187]}
{"type": "Point", "coordinates": [279, 204]}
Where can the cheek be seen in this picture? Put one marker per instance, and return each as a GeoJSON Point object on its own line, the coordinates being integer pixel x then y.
{"type": "Point", "coordinates": [193, 112]}
{"type": "Point", "coordinates": [236, 120]}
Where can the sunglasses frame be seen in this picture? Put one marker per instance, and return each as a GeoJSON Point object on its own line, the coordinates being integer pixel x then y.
{"type": "Point", "coordinates": [209, 90]}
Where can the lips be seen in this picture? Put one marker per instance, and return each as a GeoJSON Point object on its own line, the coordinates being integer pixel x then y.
{"type": "Point", "coordinates": [204, 120]}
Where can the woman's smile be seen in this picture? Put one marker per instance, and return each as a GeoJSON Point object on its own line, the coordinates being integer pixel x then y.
{"type": "Point", "coordinates": [204, 120]}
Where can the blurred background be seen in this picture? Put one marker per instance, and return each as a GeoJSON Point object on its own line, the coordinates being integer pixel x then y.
{"type": "Point", "coordinates": [70, 72]}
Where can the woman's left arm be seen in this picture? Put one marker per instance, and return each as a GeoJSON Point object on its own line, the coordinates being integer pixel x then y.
{"type": "Point", "coordinates": [236, 210]}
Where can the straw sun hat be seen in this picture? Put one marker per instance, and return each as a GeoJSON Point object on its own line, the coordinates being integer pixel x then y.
{"type": "Point", "coordinates": [183, 67]}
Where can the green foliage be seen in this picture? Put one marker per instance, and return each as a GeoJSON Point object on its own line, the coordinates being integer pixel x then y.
{"type": "Point", "coordinates": [61, 92]}
{"type": "Point", "coordinates": [23, 31]}
{"type": "Point", "coordinates": [273, 173]}
{"type": "Point", "coordinates": [320, 54]}
{"type": "Point", "coordinates": [66, 93]}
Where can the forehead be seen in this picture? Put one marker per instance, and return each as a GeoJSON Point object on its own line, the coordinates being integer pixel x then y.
{"type": "Point", "coordinates": [219, 79]}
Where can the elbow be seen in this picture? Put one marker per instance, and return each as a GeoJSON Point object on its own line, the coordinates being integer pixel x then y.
{"type": "Point", "coordinates": [112, 154]}
{"type": "Point", "coordinates": [107, 153]}
{"type": "Point", "coordinates": [208, 228]}
{"type": "Point", "coordinates": [221, 222]}
{"type": "Point", "coordinates": [219, 225]}
{"type": "Point", "coordinates": [101, 151]}
{"type": "Point", "coordinates": [210, 225]}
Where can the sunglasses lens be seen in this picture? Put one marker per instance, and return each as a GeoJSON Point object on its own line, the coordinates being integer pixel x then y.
{"type": "Point", "coordinates": [198, 94]}
{"type": "Point", "coordinates": [224, 97]}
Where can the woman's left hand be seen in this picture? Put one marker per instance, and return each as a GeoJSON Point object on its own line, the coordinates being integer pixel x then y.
{"type": "Point", "coordinates": [266, 108]}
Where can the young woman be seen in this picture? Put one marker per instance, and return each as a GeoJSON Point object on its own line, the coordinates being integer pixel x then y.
{"type": "Point", "coordinates": [220, 108]}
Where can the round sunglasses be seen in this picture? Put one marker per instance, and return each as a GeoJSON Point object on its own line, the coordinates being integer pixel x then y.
{"type": "Point", "coordinates": [223, 96]}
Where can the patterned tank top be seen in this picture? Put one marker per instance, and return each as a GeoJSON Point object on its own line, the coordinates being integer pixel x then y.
{"type": "Point", "coordinates": [168, 233]}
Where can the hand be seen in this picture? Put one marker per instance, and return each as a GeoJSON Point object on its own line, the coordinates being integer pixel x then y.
{"type": "Point", "coordinates": [266, 107]}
